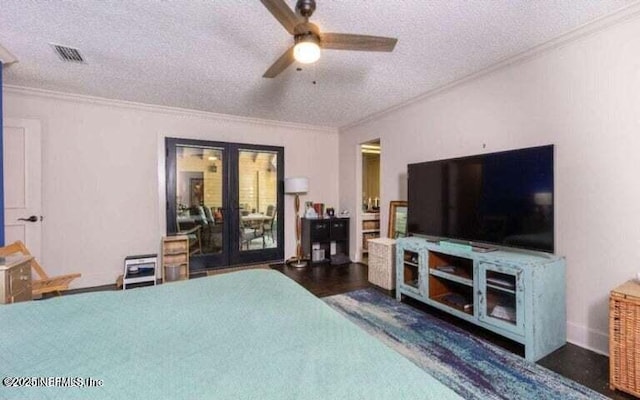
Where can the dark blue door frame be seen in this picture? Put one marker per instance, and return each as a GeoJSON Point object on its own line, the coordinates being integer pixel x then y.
{"type": "Point", "coordinates": [1, 170]}
{"type": "Point", "coordinates": [231, 253]}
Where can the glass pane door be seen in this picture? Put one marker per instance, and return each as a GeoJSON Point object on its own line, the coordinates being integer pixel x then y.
{"type": "Point", "coordinates": [196, 197]}
{"type": "Point", "coordinates": [199, 195]}
{"type": "Point", "coordinates": [258, 199]}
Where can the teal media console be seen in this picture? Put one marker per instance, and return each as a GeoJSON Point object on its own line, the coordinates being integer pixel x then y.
{"type": "Point", "coordinates": [518, 294]}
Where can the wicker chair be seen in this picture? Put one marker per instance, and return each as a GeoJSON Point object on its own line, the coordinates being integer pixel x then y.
{"type": "Point", "coordinates": [45, 284]}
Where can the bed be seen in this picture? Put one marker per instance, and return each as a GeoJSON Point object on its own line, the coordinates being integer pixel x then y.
{"type": "Point", "coordinates": [252, 334]}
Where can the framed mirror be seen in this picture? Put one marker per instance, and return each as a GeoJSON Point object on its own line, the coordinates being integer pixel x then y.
{"type": "Point", "coordinates": [397, 219]}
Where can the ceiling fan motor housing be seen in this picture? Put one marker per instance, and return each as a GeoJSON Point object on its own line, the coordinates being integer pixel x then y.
{"type": "Point", "coordinates": [306, 7]}
{"type": "Point", "coordinates": [307, 37]}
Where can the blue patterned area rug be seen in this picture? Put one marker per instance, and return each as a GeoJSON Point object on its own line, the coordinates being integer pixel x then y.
{"type": "Point", "coordinates": [471, 366]}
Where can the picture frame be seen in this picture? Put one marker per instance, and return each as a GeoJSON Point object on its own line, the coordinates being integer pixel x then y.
{"type": "Point", "coordinates": [397, 219]}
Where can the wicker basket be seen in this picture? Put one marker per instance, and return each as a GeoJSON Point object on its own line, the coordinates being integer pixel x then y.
{"type": "Point", "coordinates": [624, 338]}
{"type": "Point", "coordinates": [382, 271]}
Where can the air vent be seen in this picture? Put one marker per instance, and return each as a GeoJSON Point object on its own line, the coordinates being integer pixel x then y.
{"type": "Point", "coordinates": [68, 54]}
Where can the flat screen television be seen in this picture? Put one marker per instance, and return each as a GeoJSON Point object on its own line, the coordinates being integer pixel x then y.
{"type": "Point", "coordinates": [503, 198]}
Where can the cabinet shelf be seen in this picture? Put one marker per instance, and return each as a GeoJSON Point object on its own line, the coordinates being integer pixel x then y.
{"type": "Point", "coordinates": [452, 276]}
{"type": "Point", "coordinates": [452, 291]}
{"type": "Point", "coordinates": [370, 229]}
{"type": "Point", "coordinates": [182, 264]}
{"type": "Point", "coordinates": [175, 253]}
{"type": "Point", "coordinates": [413, 283]}
{"type": "Point", "coordinates": [501, 282]}
{"type": "Point", "coordinates": [455, 301]}
{"type": "Point", "coordinates": [412, 264]}
{"type": "Point", "coordinates": [501, 288]}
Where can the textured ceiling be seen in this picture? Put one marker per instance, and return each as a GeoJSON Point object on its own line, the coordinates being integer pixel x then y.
{"type": "Point", "coordinates": [210, 55]}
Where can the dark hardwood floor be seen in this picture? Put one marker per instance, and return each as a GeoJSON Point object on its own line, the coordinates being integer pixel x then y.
{"type": "Point", "coordinates": [327, 280]}
{"type": "Point", "coordinates": [574, 362]}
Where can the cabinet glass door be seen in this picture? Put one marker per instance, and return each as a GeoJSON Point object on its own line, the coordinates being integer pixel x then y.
{"type": "Point", "coordinates": [409, 276]}
{"type": "Point", "coordinates": [501, 302]}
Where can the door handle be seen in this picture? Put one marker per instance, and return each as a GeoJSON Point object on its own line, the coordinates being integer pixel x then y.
{"type": "Point", "coordinates": [32, 218]}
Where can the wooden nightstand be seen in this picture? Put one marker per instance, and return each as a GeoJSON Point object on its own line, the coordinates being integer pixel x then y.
{"type": "Point", "coordinates": [15, 279]}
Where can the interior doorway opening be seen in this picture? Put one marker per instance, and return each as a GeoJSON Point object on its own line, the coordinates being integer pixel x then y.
{"type": "Point", "coordinates": [370, 200]}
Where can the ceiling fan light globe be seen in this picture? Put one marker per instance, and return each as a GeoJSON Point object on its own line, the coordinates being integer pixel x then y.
{"type": "Point", "coordinates": [306, 52]}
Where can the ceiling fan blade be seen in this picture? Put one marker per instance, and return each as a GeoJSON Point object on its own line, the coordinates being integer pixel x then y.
{"type": "Point", "coordinates": [283, 14]}
{"type": "Point", "coordinates": [281, 64]}
{"type": "Point", "coordinates": [346, 41]}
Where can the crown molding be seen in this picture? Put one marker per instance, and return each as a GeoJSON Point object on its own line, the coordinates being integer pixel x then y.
{"type": "Point", "coordinates": [590, 28]}
{"type": "Point", "coordinates": [131, 105]}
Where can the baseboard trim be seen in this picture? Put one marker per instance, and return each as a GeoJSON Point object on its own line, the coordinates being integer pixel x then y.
{"type": "Point", "coordinates": [588, 338]}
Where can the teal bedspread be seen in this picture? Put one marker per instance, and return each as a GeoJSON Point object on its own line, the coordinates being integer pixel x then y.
{"type": "Point", "coordinates": [244, 335]}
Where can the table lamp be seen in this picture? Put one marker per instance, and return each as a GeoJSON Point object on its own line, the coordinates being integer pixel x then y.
{"type": "Point", "coordinates": [297, 186]}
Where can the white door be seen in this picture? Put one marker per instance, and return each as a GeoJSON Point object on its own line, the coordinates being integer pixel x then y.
{"type": "Point", "coordinates": [22, 183]}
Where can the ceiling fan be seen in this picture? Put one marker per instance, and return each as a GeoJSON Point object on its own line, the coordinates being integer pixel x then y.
{"type": "Point", "coordinates": [308, 39]}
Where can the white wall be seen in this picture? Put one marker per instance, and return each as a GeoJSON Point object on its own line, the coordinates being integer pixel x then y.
{"type": "Point", "coordinates": [584, 97]}
{"type": "Point", "coordinates": [103, 173]}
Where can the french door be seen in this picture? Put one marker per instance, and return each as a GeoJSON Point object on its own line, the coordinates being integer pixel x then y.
{"type": "Point", "coordinates": [228, 199]}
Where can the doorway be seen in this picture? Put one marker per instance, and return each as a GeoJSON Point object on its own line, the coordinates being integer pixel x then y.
{"type": "Point", "coordinates": [228, 199]}
{"type": "Point", "coordinates": [370, 205]}
{"type": "Point", "coordinates": [22, 166]}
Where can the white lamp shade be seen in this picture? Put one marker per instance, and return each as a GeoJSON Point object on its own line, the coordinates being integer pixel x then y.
{"type": "Point", "coordinates": [296, 185]}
